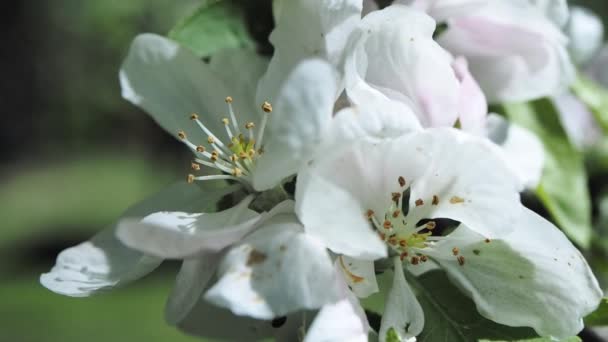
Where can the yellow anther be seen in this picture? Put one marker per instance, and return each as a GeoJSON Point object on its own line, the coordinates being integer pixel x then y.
{"type": "Point", "coordinates": [210, 139]}
{"type": "Point", "coordinates": [460, 260]}
{"type": "Point", "coordinates": [435, 200]}
{"type": "Point", "coordinates": [431, 225]}
{"type": "Point", "coordinates": [456, 199]}
{"type": "Point", "coordinates": [190, 179]}
{"type": "Point", "coordinates": [243, 155]}
{"type": "Point", "coordinates": [237, 172]}
{"type": "Point", "coordinates": [200, 149]}
{"type": "Point", "coordinates": [251, 153]}
{"type": "Point", "coordinates": [214, 156]}
{"type": "Point", "coordinates": [195, 166]}
{"type": "Point", "coordinates": [234, 157]}
{"type": "Point", "coordinates": [193, 116]}
{"type": "Point", "coordinates": [403, 243]}
{"type": "Point", "coordinates": [267, 107]}
{"type": "Point", "coordinates": [225, 121]}
{"type": "Point", "coordinates": [249, 125]}
{"type": "Point", "coordinates": [228, 99]}
{"type": "Point", "coordinates": [387, 224]}
{"type": "Point", "coordinates": [455, 251]}
{"type": "Point", "coordinates": [181, 135]}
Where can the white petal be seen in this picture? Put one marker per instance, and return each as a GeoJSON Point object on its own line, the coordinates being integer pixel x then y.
{"type": "Point", "coordinates": [522, 150]}
{"type": "Point", "coordinates": [170, 82]}
{"type": "Point", "coordinates": [578, 122]}
{"type": "Point", "coordinates": [533, 277]}
{"type": "Point", "coordinates": [392, 51]}
{"type": "Point", "coordinates": [359, 275]}
{"type": "Point", "coordinates": [104, 262]}
{"type": "Point", "coordinates": [514, 52]}
{"type": "Point", "coordinates": [191, 281]}
{"type": "Point", "coordinates": [472, 105]}
{"type": "Point", "coordinates": [179, 235]}
{"type": "Point", "coordinates": [275, 271]}
{"type": "Point", "coordinates": [337, 322]}
{"type": "Point", "coordinates": [586, 33]}
{"type": "Point", "coordinates": [297, 124]}
{"type": "Point", "coordinates": [307, 29]}
{"type": "Point", "coordinates": [402, 312]}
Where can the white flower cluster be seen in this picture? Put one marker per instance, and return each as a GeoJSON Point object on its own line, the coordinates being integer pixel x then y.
{"type": "Point", "coordinates": [379, 118]}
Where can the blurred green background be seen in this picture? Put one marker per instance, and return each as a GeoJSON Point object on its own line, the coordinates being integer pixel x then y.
{"type": "Point", "coordinates": [74, 156]}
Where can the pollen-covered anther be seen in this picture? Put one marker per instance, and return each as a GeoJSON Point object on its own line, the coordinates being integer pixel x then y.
{"type": "Point", "coordinates": [190, 178]}
{"type": "Point", "coordinates": [234, 158]}
{"type": "Point", "coordinates": [415, 260]}
{"type": "Point", "coordinates": [249, 125]}
{"type": "Point", "coordinates": [435, 200]}
{"type": "Point", "coordinates": [228, 99]}
{"type": "Point", "coordinates": [460, 260]}
{"type": "Point", "coordinates": [237, 172]}
{"type": "Point", "coordinates": [214, 156]}
{"type": "Point", "coordinates": [403, 243]}
{"type": "Point", "coordinates": [251, 153]}
{"type": "Point", "coordinates": [424, 258]}
{"type": "Point", "coordinates": [195, 166]}
{"type": "Point", "coordinates": [487, 240]}
{"type": "Point", "coordinates": [396, 213]}
{"type": "Point", "coordinates": [430, 225]}
{"type": "Point", "coordinates": [225, 121]}
{"type": "Point", "coordinates": [200, 149]}
{"type": "Point", "coordinates": [402, 256]}
{"type": "Point", "coordinates": [266, 107]}
{"type": "Point", "coordinates": [393, 240]}
{"type": "Point", "coordinates": [382, 236]}
{"type": "Point", "coordinates": [396, 196]}
{"type": "Point", "coordinates": [193, 116]}
{"type": "Point", "coordinates": [419, 202]}
{"type": "Point", "coordinates": [243, 155]}
{"type": "Point", "coordinates": [387, 224]}
{"type": "Point", "coordinates": [210, 139]}
{"type": "Point", "coordinates": [455, 251]}
{"type": "Point", "coordinates": [456, 199]}
{"type": "Point", "coordinates": [369, 213]}
{"type": "Point", "coordinates": [181, 135]}
{"type": "Point", "coordinates": [401, 181]}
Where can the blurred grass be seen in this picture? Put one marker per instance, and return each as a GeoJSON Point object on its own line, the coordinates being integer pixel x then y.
{"type": "Point", "coordinates": [78, 196]}
{"type": "Point", "coordinates": [30, 313]}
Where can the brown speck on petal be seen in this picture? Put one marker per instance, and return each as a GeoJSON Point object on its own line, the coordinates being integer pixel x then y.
{"type": "Point", "coordinates": [255, 257]}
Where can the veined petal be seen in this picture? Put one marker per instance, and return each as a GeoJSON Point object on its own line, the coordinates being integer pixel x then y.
{"type": "Point", "coordinates": [298, 123]}
{"type": "Point", "coordinates": [522, 150]}
{"type": "Point", "coordinates": [392, 51]}
{"type": "Point", "coordinates": [402, 312]}
{"type": "Point", "coordinates": [104, 262]}
{"type": "Point", "coordinates": [359, 275]}
{"type": "Point", "coordinates": [275, 271]}
{"type": "Point", "coordinates": [307, 29]}
{"type": "Point", "coordinates": [170, 83]}
{"type": "Point", "coordinates": [532, 277]}
{"type": "Point", "coordinates": [179, 235]}
{"type": "Point", "coordinates": [191, 281]}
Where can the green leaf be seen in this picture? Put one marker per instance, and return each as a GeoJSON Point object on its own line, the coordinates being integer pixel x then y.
{"type": "Point", "coordinates": [216, 25]}
{"type": "Point", "coordinates": [600, 316]}
{"type": "Point", "coordinates": [449, 315]}
{"type": "Point", "coordinates": [595, 97]}
{"type": "Point", "coordinates": [563, 186]}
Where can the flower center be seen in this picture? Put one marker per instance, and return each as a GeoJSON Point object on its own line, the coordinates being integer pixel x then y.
{"type": "Point", "coordinates": [406, 230]}
{"type": "Point", "coordinates": [234, 159]}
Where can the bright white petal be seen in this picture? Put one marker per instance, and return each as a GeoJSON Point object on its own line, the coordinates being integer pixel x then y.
{"type": "Point", "coordinates": [337, 322]}
{"type": "Point", "coordinates": [472, 104]}
{"type": "Point", "coordinates": [298, 123]}
{"type": "Point", "coordinates": [532, 277]}
{"type": "Point", "coordinates": [402, 312]}
{"type": "Point", "coordinates": [522, 150]}
{"type": "Point", "coordinates": [359, 275]}
{"type": "Point", "coordinates": [586, 33]}
{"type": "Point", "coordinates": [169, 82]}
{"type": "Point", "coordinates": [178, 235]}
{"type": "Point", "coordinates": [578, 122]}
{"type": "Point", "coordinates": [104, 262]}
{"type": "Point", "coordinates": [275, 271]}
{"type": "Point", "coordinates": [307, 29]}
{"type": "Point", "coordinates": [392, 51]}
{"type": "Point", "coordinates": [189, 286]}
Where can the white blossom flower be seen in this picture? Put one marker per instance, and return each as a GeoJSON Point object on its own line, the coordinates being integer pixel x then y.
{"type": "Point", "coordinates": [515, 51]}
{"type": "Point", "coordinates": [586, 34]}
{"type": "Point", "coordinates": [390, 198]}
{"type": "Point", "coordinates": [392, 56]}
